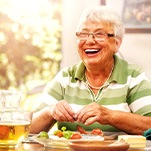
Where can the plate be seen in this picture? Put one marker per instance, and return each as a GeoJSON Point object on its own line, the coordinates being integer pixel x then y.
{"type": "Point", "coordinates": [97, 145]}
{"type": "Point", "coordinates": [52, 142]}
{"type": "Point", "coordinates": [56, 142]}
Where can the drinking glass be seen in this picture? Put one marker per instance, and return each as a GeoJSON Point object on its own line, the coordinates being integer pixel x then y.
{"type": "Point", "coordinates": [14, 122]}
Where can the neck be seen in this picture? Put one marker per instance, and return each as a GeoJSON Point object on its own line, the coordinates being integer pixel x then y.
{"type": "Point", "coordinates": [91, 86]}
{"type": "Point", "coordinates": [101, 68]}
{"type": "Point", "coordinates": [98, 79]}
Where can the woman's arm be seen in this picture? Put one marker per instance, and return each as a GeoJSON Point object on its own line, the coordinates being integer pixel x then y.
{"type": "Point", "coordinates": [42, 121]}
{"type": "Point", "coordinates": [128, 122]}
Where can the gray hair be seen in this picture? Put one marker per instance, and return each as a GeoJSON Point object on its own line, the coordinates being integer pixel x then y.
{"type": "Point", "coordinates": [103, 14]}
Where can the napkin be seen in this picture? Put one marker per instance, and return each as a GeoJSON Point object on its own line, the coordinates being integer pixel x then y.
{"type": "Point", "coordinates": [147, 134]}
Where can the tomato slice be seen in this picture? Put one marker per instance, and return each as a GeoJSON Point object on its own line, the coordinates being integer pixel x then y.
{"type": "Point", "coordinates": [97, 131]}
{"type": "Point", "coordinates": [76, 136]}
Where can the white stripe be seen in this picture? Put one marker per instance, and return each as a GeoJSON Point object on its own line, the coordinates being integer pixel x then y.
{"type": "Point", "coordinates": [48, 99]}
{"type": "Point", "coordinates": [116, 86]}
{"type": "Point", "coordinates": [120, 107]}
{"type": "Point", "coordinates": [67, 82]}
{"type": "Point", "coordinates": [134, 81]}
{"type": "Point", "coordinates": [140, 103]}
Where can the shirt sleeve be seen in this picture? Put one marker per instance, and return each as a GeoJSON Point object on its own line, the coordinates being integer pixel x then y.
{"type": "Point", "coordinates": [139, 96]}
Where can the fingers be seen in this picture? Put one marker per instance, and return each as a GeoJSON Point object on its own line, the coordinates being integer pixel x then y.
{"type": "Point", "coordinates": [89, 114]}
{"type": "Point", "coordinates": [84, 115]}
{"type": "Point", "coordinates": [91, 120]}
{"type": "Point", "coordinates": [63, 112]}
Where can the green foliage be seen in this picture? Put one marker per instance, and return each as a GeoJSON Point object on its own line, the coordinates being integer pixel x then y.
{"type": "Point", "coordinates": [30, 45]}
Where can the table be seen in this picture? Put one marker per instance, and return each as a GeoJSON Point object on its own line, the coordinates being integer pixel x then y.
{"type": "Point", "coordinates": [38, 147]}
{"type": "Point", "coordinates": [32, 147]}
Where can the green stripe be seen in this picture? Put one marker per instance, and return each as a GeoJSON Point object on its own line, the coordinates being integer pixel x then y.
{"type": "Point", "coordinates": [112, 101]}
{"type": "Point", "coordinates": [78, 100]}
{"type": "Point", "coordinates": [134, 70]}
{"type": "Point", "coordinates": [139, 94]}
{"type": "Point", "coordinates": [144, 111]}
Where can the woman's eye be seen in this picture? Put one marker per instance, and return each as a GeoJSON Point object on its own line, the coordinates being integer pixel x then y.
{"type": "Point", "coordinates": [84, 34]}
{"type": "Point", "coordinates": [98, 34]}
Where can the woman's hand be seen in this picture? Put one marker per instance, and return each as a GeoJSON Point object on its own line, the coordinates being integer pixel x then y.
{"type": "Point", "coordinates": [93, 113]}
{"type": "Point", "coordinates": [62, 111]}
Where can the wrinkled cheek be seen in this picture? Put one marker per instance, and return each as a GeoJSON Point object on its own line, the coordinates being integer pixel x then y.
{"type": "Point", "coordinates": [112, 48]}
{"type": "Point", "coordinates": [114, 45]}
{"type": "Point", "coordinates": [81, 53]}
{"type": "Point", "coordinates": [80, 44]}
{"type": "Point", "coordinates": [80, 48]}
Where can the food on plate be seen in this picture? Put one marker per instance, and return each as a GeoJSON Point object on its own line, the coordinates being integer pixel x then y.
{"type": "Point", "coordinates": [58, 133]}
{"type": "Point", "coordinates": [63, 133]}
{"type": "Point", "coordinates": [61, 137]}
{"type": "Point", "coordinates": [95, 131]}
{"type": "Point", "coordinates": [134, 140]}
{"type": "Point", "coordinates": [76, 136]}
{"type": "Point", "coordinates": [67, 134]}
{"type": "Point", "coordinates": [79, 134]}
{"type": "Point", "coordinates": [43, 134]}
{"type": "Point", "coordinates": [81, 130]}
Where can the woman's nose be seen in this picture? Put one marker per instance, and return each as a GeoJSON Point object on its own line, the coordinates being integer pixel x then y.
{"type": "Point", "coordinates": [90, 39]}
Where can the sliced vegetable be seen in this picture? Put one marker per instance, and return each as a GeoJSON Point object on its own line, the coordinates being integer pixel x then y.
{"type": "Point", "coordinates": [63, 128]}
{"type": "Point", "coordinates": [97, 131]}
{"type": "Point", "coordinates": [63, 133]}
{"type": "Point", "coordinates": [81, 130]}
{"type": "Point", "coordinates": [43, 134]}
{"type": "Point", "coordinates": [67, 134]}
{"type": "Point", "coordinates": [76, 136]}
{"type": "Point", "coordinates": [58, 133]}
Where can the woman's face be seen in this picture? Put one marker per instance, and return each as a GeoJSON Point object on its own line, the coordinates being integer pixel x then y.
{"type": "Point", "coordinates": [93, 51]}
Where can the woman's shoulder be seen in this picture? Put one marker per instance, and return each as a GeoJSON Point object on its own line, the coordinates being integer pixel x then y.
{"type": "Point", "coordinates": [73, 69]}
{"type": "Point", "coordinates": [131, 66]}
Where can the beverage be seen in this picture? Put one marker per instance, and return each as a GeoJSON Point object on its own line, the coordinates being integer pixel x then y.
{"type": "Point", "coordinates": [14, 122]}
{"type": "Point", "coordinates": [13, 133]}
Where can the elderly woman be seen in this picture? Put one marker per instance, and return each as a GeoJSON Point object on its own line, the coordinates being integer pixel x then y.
{"type": "Point", "coordinates": [102, 91]}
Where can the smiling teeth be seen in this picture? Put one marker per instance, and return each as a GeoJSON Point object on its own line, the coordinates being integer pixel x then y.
{"type": "Point", "coordinates": [91, 50]}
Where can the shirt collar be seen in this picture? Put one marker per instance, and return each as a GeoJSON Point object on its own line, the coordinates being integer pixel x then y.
{"type": "Point", "coordinates": [80, 72]}
{"type": "Point", "coordinates": [119, 73]}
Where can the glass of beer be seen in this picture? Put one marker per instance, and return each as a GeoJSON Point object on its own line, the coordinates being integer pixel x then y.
{"type": "Point", "coordinates": [14, 122]}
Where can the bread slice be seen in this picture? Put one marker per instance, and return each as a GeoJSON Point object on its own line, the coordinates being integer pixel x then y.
{"type": "Point", "coordinates": [137, 141]}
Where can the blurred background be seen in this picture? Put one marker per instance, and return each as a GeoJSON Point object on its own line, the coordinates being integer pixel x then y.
{"type": "Point", "coordinates": [37, 39]}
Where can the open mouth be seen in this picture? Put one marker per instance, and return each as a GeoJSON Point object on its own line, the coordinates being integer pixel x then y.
{"type": "Point", "coordinates": [91, 51]}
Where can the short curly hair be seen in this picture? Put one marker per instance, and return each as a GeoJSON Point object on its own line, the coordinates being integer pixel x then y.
{"type": "Point", "coordinates": [103, 14]}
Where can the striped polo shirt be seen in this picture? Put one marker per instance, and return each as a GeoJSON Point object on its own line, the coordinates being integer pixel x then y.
{"type": "Point", "coordinates": [127, 89]}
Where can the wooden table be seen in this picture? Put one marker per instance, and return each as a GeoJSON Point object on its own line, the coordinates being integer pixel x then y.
{"type": "Point", "coordinates": [39, 147]}
{"type": "Point", "coordinates": [32, 147]}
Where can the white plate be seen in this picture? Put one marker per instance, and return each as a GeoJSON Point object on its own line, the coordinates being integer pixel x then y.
{"type": "Point", "coordinates": [52, 142]}
{"type": "Point", "coordinates": [56, 142]}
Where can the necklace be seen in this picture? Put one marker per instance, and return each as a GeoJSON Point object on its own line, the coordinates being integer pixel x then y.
{"type": "Point", "coordinates": [97, 88]}
{"type": "Point", "coordinates": [91, 86]}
